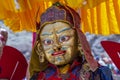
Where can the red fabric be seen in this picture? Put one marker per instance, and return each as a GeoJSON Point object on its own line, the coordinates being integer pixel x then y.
{"type": "Point", "coordinates": [113, 50]}
{"type": "Point", "coordinates": [55, 75]}
{"type": "Point", "coordinates": [34, 38]}
{"type": "Point", "coordinates": [12, 57]}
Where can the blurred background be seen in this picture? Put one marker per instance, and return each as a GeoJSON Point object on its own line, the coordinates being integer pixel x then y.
{"type": "Point", "coordinates": [23, 42]}
{"type": "Point", "coordinates": [101, 17]}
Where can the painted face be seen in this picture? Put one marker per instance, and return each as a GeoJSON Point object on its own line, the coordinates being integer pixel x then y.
{"type": "Point", "coordinates": [59, 43]}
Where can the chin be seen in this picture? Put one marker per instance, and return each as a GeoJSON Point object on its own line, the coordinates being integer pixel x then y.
{"type": "Point", "coordinates": [61, 63]}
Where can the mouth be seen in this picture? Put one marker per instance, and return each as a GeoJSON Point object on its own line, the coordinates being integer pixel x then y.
{"type": "Point", "coordinates": [58, 53]}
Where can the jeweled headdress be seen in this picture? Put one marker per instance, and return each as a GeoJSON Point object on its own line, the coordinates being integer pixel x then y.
{"type": "Point", "coordinates": [59, 12]}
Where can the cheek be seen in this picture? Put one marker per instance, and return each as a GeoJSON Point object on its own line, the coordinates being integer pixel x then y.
{"type": "Point", "coordinates": [70, 50]}
{"type": "Point", "coordinates": [48, 53]}
{"type": "Point", "coordinates": [49, 57]}
{"type": "Point", "coordinates": [72, 47]}
{"type": "Point", "coordinates": [47, 47]}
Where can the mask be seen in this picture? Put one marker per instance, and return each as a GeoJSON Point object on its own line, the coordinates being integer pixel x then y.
{"type": "Point", "coordinates": [59, 43]}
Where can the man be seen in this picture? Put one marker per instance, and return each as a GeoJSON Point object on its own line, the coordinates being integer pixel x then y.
{"type": "Point", "coordinates": [61, 51]}
{"type": "Point", "coordinates": [13, 64]}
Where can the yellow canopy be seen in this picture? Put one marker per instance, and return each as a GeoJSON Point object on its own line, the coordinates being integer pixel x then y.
{"type": "Point", "coordinates": [98, 16]}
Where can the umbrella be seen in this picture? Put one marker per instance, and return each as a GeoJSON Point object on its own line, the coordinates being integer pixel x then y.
{"type": "Point", "coordinates": [13, 65]}
{"type": "Point", "coordinates": [98, 16]}
{"type": "Point", "coordinates": [113, 50]}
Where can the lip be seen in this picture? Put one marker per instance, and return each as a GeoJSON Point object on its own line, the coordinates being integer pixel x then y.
{"type": "Point", "coordinates": [58, 53]}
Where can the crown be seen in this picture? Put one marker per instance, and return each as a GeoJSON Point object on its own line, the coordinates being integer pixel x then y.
{"type": "Point", "coordinates": [59, 12]}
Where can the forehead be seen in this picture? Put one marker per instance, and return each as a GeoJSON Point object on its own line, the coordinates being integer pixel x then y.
{"type": "Point", "coordinates": [55, 26]}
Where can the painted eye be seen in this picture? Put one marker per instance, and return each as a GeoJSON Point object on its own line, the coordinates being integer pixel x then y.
{"type": "Point", "coordinates": [47, 42]}
{"type": "Point", "coordinates": [64, 38]}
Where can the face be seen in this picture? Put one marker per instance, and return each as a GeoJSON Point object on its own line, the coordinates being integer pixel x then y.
{"type": "Point", "coordinates": [3, 38]}
{"type": "Point", "coordinates": [59, 43]}
{"type": "Point", "coordinates": [1, 47]}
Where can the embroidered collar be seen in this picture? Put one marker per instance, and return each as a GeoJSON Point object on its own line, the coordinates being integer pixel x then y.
{"type": "Point", "coordinates": [72, 66]}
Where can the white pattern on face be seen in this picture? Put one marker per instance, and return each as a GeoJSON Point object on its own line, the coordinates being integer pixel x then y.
{"type": "Point", "coordinates": [58, 41]}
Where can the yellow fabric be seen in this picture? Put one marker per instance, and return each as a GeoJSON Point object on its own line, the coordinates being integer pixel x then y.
{"type": "Point", "coordinates": [74, 3]}
{"type": "Point", "coordinates": [98, 16]}
{"type": "Point", "coordinates": [102, 19]}
{"type": "Point", "coordinates": [64, 70]}
{"type": "Point", "coordinates": [92, 3]}
{"type": "Point", "coordinates": [35, 66]}
{"type": "Point", "coordinates": [7, 7]}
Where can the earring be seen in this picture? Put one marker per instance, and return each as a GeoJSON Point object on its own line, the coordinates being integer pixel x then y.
{"type": "Point", "coordinates": [40, 52]}
{"type": "Point", "coordinates": [41, 57]}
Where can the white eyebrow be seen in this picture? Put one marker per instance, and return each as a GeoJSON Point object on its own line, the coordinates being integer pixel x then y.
{"type": "Point", "coordinates": [46, 33]}
{"type": "Point", "coordinates": [64, 29]}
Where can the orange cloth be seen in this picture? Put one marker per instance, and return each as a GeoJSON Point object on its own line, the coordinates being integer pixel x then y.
{"type": "Point", "coordinates": [98, 16]}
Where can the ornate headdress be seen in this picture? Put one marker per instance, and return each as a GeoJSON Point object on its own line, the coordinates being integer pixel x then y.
{"type": "Point", "coordinates": [59, 12]}
{"type": "Point", "coordinates": [62, 13]}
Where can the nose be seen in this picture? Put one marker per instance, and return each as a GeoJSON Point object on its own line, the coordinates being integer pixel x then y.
{"type": "Point", "coordinates": [57, 47]}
